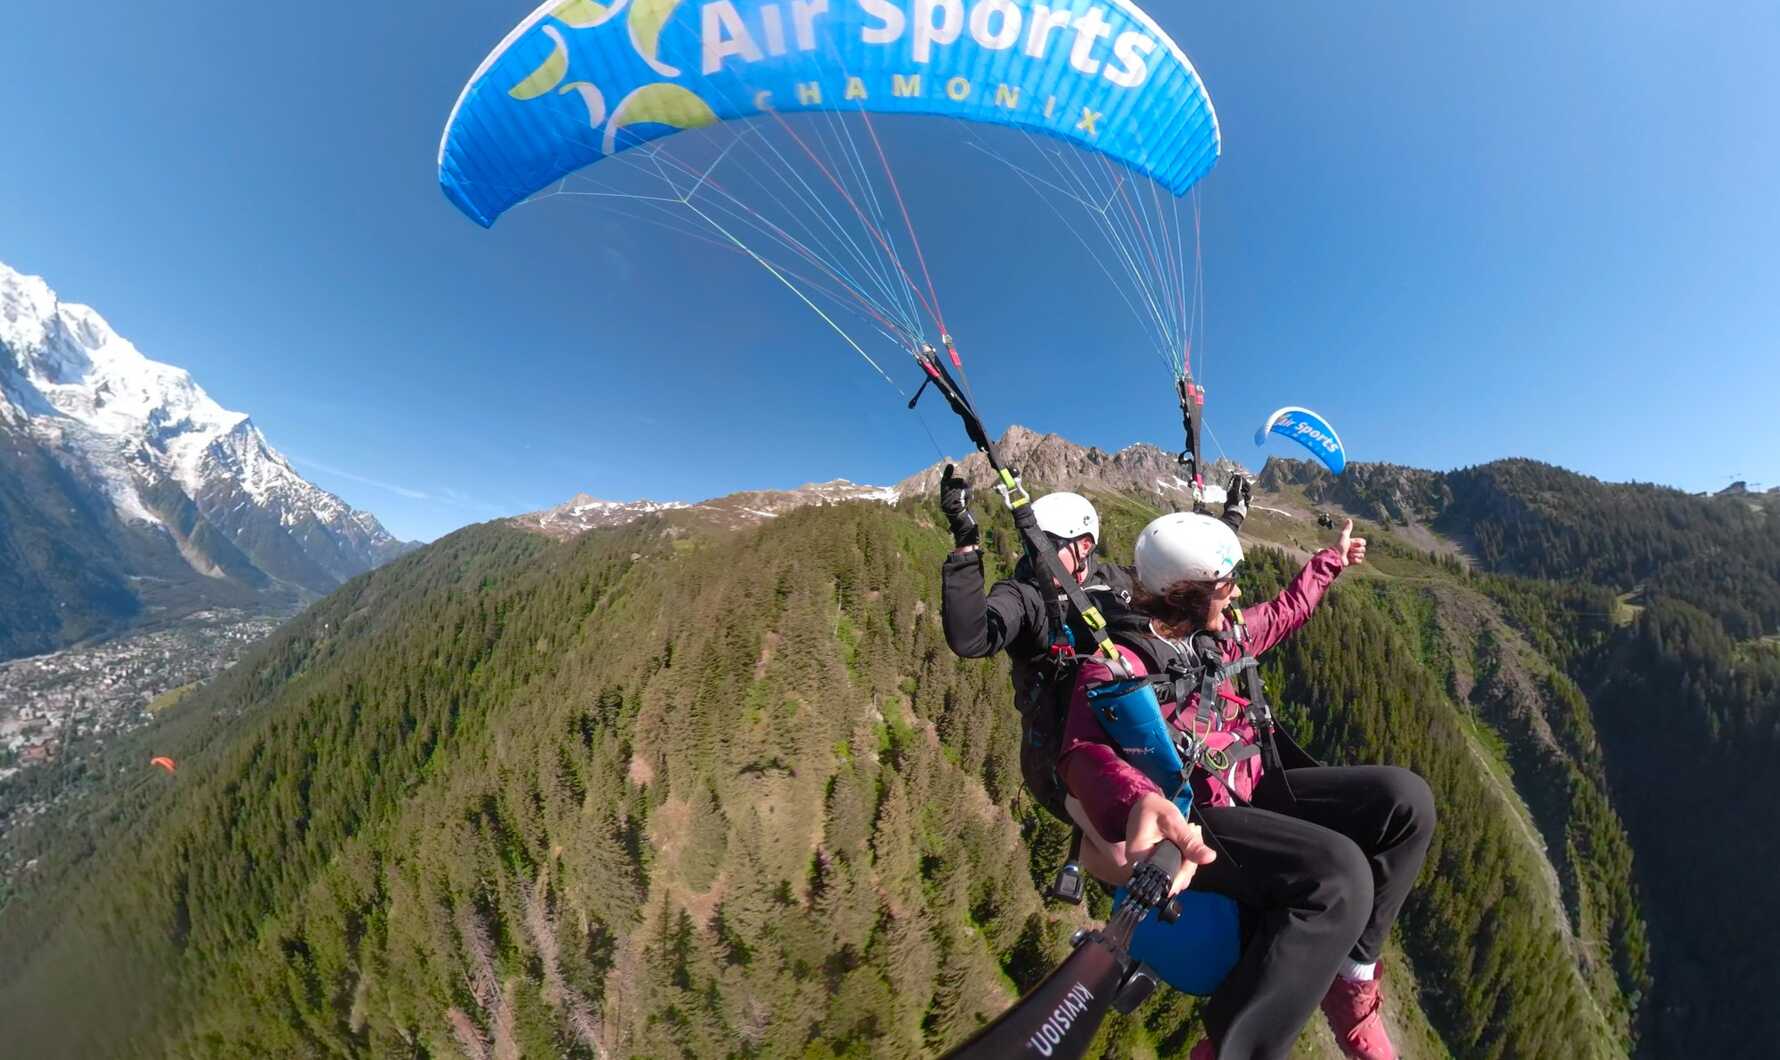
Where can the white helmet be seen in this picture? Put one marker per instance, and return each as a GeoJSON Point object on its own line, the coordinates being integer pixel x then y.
{"type": "Point", "coordinates": [1186, 547]}
{"type": "Point", "coordinates": [1067, 516]}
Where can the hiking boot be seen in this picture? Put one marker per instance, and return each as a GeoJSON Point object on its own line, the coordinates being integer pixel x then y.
{"type": "Point", "coordinates": [1204, 1051]}
{"type": "Point", "coordinates": [1357, 1018]}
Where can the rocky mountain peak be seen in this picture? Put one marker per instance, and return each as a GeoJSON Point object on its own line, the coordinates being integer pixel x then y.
{"type": "Point", "coordinates": [1055, 462]}
{"type": "Point", "coordinates": [1385, 493]}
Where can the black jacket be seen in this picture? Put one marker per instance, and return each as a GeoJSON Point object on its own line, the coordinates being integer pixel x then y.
{"type": "Point", "coordinates": [1013, 618]}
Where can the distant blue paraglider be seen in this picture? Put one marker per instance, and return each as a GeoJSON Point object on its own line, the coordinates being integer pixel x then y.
{"type": "Point", "coordinates": [1310, 431]}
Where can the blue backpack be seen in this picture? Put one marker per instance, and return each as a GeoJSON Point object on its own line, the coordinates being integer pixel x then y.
{"type": "Point", "coordinates": [1195, 951]}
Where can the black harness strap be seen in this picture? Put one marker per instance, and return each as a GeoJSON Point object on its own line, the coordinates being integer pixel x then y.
{"type": "Point", "coordinates": [1260, 714]}
{"type": "Point", "coordinates": [1192, 415]}
{"type": "Point", "coordinates": [1019, 502]}
{"type": "Point", "coordinates": [1189, 669]}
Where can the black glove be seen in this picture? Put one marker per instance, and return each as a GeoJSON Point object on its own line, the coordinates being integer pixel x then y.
{"type": "Point", "coordinates": [954, 501]}
{"type": "Point", "coordinates": [1236, 498]}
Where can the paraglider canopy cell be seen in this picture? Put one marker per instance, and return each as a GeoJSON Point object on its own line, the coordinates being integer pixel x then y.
{"type": "Point", "coordinates": [164, 762]}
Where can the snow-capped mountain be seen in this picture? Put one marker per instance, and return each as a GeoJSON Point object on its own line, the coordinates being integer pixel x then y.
{"type": "Point", "coordinates": [757, 506]}
{"type": "Point", "coordinates": [581, 513]}
{"type": "Point", "coordinates": [735, 510]}
{"type": "Point", "coordinates": [149, 456]}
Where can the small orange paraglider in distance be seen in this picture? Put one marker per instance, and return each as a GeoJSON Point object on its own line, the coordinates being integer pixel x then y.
{"type": "Point", "coordinates": [164, 762]}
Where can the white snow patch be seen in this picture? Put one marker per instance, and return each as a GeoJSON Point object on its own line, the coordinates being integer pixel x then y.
{"type": "Point", "coordinates": [1209, 493]}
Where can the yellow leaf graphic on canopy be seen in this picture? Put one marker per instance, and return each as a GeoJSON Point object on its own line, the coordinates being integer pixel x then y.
{"type": "Point", "coordinates": [548, 76]}
{"type": "Point", "coordinates": [585, 14]}
{"type": "Point", "coordinates": [659, 104]}
{"type": "Point", "coordinates": [647, 18]}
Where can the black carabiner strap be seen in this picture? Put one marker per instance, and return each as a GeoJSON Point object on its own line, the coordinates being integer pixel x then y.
{"type": "Point", "coordinates": [1192, 417]}
{"type": "Point", "coordinates": [1019, 502]}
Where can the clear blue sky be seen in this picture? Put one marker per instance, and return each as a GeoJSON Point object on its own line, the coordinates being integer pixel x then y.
{"type": "Point", "coordinates": [1517, 229]}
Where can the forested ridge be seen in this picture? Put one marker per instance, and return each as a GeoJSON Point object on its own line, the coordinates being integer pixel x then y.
{"type": "Point", "coordinates": [1721, 554]}
{"type": "Point", "coordinates": [640, 794]}
{"type": "Point", "coordinates": [1661, 610]}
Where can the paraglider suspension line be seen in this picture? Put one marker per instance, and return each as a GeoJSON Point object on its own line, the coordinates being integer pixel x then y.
{"type": "Point", "coordinates": [769, 267]}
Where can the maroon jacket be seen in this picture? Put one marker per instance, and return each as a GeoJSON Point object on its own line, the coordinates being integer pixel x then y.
{"type": "Point", "coordinates": [1106, 785]}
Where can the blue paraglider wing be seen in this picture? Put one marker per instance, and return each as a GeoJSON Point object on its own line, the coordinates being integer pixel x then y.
{"type": "Point", "coordinates": [581, 80]}
{"type": "Point", "coordinates": [1309, 430]}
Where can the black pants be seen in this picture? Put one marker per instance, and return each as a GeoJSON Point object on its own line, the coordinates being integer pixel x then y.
{"type": "Point", "coordinates": [1324, 872]}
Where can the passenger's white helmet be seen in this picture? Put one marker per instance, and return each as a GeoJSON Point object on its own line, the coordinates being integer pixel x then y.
{"type": "Point", "coordinates": [1067, 516]}
{"type": "Point", "coordinates": [1186, 547]}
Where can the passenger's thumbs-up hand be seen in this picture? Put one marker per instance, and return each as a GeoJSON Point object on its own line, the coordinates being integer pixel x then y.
{"type": "Point", "coordinates": [1352, 549]}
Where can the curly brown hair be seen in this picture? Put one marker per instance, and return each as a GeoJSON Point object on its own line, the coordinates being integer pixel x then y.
{"type": "Point", "coordinates": [1179, 611]}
